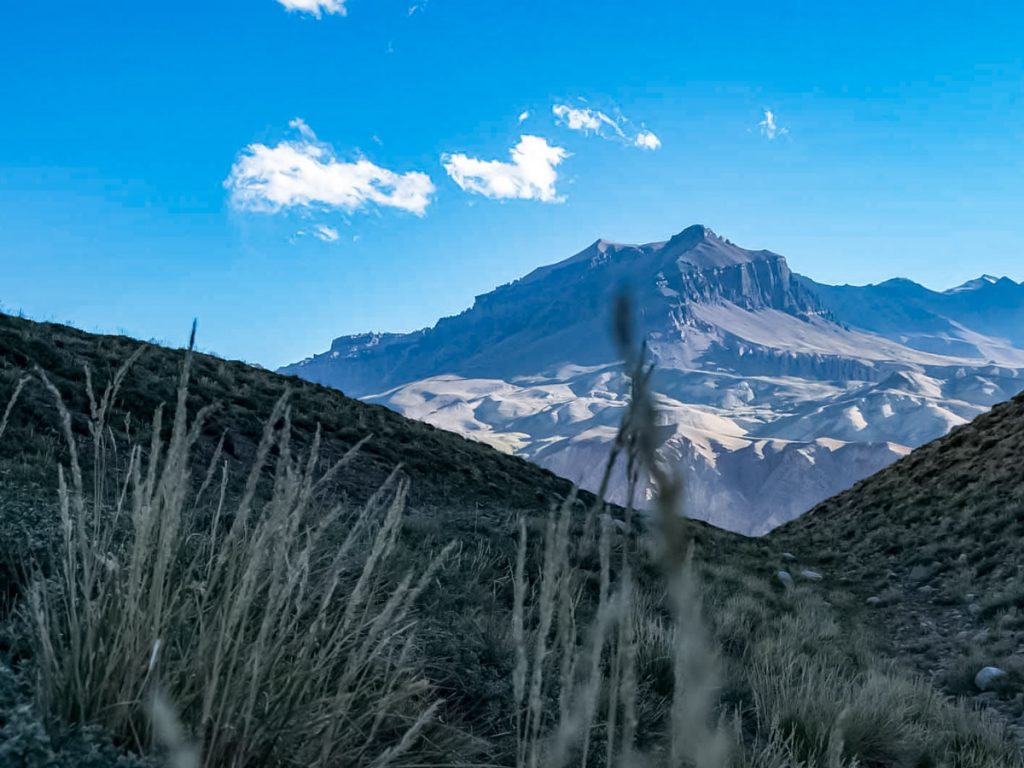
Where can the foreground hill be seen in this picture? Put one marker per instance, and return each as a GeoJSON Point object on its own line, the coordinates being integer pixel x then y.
{"type": "Point", "coordinates": [937, 540]}
{"type": "Point", "coordinates": [444, 469]}
{"type": "Point", "coordinates": [459, 490]}
{"type": "Point", "coordinates": [791, 672]}
{"type": "Point", "coordinates": [775, 392]}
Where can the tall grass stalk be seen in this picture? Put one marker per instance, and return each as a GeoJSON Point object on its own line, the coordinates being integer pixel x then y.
{"type": "Point", "coordinates": [273, 625]}
{"type": "Point", "coordinates": [11, 402]}
{"type": "Point", "coordinates": [605, 670]}
{"type": "Point", "coordinates": [694, 736]}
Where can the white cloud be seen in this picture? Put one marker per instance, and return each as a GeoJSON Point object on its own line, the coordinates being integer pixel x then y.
{"type": "Point", "coordinates": [586, 120]}
{"type": "Point", "coordinates": [769, 128]}
{"type": "Point", "coordinates": [417, 7]}
{"type": "Point", "coordinates": [320, 232]}
{"type": "Point", "coordinates": [594, 121]}
{"type": "Point", "coordinates": [326, 233]}
{"type": "Point", "coordinates": [530, 176]}
{"type": "Point", "coordinates": [523, 116]}
{"type": "Point", "coordinates": [307, 174]}
{"type": "Point", "coordinates": [647, 140]}
{"type": "Point", "coordinates": [298, 124]}
{"type": "Point", "coordinates": [315, 7]}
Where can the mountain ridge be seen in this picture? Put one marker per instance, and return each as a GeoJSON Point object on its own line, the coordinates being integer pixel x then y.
{"type": "Point", "coordinates": [840, 381]}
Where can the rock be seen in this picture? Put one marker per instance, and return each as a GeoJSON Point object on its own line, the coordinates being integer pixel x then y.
{"type": "Point", "coordinates": [987, 677]}
{"type": "Point", "coordinates": [926, 589]}
{"type": "Point", "coordinates": [810, 575]}
{"type": "Point", "coordinates": [970, 597]}
{"type": "Point", "coordinates": [974, 609]}
{"type": "Point", "coordinates": [874, 600]}
{"type": "Point", "coordinates": [789, 557]}
{"type": "Point", "coordinates": [920, 574]}
{"type": "Point", "coordinates": [785, 579]}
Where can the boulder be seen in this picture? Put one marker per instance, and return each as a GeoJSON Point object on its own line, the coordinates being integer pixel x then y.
{"type": "Point", "coordinates": [785, 579]}
{"type": "Point", "coordinates": [810, 575]}
{"type": "Point", "coordinates": [919, 574]}
{"type": "Point", "coordinates": [988, 677]}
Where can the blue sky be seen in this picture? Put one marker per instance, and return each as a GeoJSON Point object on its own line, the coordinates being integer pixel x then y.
{"type": "Point", "coordinates": [286, 178]}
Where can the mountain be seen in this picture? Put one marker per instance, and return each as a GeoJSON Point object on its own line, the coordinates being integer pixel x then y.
{"type": "Point", "coordinates": [777, 391]}
{"type": "Point", "coordinates": [983, 318]}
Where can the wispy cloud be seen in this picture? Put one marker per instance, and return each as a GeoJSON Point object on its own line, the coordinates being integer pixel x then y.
{"type": "Point", "coordinates": [315, 7]}
{"type": "Point", "coordinates": [647, 140]}
{"type": "Point", "coordinates": [585, 120]}
{"type": "Point", "coordinates": [418, 7]}
{"type": "Point", "coordinates": [523, 117]}
{"type": "Point", "coordinates": [595, 122]}
{"type": "Point", "coordinates": [770, 129]}
{"type": "Point", "coordinates": [321, 232]}
{"type": "Point", "coordinates": [326, 233]}
{"type": "Point", "coordinates": [306, 174]}
{"type": "Point", "coordinates": [531, 175]}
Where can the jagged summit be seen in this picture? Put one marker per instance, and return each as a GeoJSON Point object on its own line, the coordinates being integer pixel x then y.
{"type": "Point", "coordinates": [980, 283]}
{"type": "Point", "coordinates": [690, 237]}
{"type": "Point", "coordinates": [703, 248]}
{"type": "Point", "coordinates": [696, 247]}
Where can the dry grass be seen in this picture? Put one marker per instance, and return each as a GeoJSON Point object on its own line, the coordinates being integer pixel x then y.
{"type": "Point", "coordinates": [275, 643]}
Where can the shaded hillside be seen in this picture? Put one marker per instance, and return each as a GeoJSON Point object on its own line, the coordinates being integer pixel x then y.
{"type": "Point", "coordinates": [936, 543]}
{"type": "Point", "coordinates": [459, 490]}
{"type": "Point", "coordinates": [445, 469]}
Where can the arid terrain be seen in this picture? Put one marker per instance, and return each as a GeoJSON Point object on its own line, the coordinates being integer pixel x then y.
{"type": "Point", "coordinates": [865, 652]}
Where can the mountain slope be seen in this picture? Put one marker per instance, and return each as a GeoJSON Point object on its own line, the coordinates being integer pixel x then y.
{"type": "Point", "coordinates": [444, 468]}
{"type": "Point", "coordinates": [770, 404]}
{"type": "Point", "coordinates": [938, 539]}
{"type": "Point", "coordinates": [983, 318]}
{"type": "Point", "coordinates": [459, 490]}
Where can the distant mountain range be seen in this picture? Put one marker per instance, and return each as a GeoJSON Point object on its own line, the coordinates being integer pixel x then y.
{"type": "Point", "coordinates": [776, 391]}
